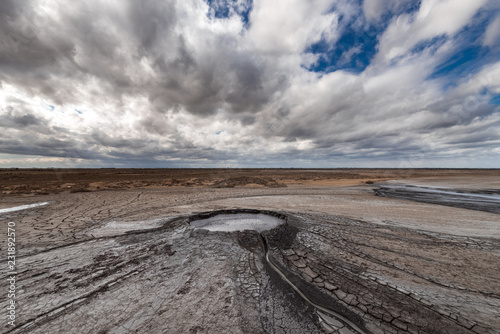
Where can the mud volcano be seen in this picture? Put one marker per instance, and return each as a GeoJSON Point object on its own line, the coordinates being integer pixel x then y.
{"type": "Point", "coordinates": [275, 232]}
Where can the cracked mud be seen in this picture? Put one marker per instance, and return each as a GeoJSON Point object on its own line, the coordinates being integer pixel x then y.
{"type": "Point", "coordinates": [130, 262]}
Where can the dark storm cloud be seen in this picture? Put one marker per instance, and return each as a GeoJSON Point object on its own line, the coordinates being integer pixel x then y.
{"type": "Point", "coordinates": [150, 23]}
{"type": "Point", "coordinates": [9, 8]}
{"type": "Point", "coordinates": [95, 40]}
{"type": "Point", "coordinates": [23, 122]}
{"type": "Point", "coordinates": [10, 120]}
{"type": "Point", "coordinates": [45, 147]}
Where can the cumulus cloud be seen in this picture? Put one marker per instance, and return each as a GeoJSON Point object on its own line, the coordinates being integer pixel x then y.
{"type": "Point", "coordinates": [196, 83]}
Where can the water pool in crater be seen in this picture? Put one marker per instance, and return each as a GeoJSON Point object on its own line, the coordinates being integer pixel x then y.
{"type": "Point", "coordinates": [238, 222]}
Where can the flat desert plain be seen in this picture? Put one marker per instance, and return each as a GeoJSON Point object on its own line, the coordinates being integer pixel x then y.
{"type": "Point", "coordinates": [131, 251]}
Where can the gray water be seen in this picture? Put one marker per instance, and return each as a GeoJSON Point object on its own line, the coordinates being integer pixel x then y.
{"type": "Point", "coordinates": [238, 222]}
{"type": "Point", "coordinates": [483, 200]}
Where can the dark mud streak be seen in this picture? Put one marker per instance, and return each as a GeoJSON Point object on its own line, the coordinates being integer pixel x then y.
{"type": "Point", "coordinates": [302, 310]}
{"type": "Point", "coordinates": [471, 200]}
{"type": "Point", "coordinates": [314, 296]}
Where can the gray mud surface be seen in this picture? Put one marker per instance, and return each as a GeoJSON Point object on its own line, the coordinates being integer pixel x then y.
{"type": "Point", "coordinates": [130, 262]}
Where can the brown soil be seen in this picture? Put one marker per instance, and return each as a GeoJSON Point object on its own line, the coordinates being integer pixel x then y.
{"type": "Point", "coordinates": [53, 181]}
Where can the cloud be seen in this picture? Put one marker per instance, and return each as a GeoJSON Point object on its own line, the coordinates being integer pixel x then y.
{"type": "Point", "coordinates": [375, 10]}
{"type": "Point", "coordinates": [190, 83]}
{"type": "Point", "coordinates": [285, 27]}
{"type": "Point", "coordinates": [434, 18]}
{"type": "Point", "coordinates": [492, 34]}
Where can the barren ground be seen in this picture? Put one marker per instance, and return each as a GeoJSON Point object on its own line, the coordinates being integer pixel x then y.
{"type": "Point", "coordinates": [113, 252]}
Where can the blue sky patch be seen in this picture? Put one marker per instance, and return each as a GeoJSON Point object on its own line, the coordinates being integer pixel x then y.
{"type": "Point", "coordinates": [469, 55]}
{"type": "Point", "coordinates": [432, 44]}
{"type": "Point", "coordinates": [495, 99]}
{"type": "Point", "coordinates": [460, 62]}
{"type": "Point", "coordinates": [353, 51]}
{"type": "Point", "coordinates": [222, 9]}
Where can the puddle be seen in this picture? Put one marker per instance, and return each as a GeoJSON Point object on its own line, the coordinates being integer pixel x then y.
{"type": "Point", "coordinates": [22, 207]}
{"type": "Point", "coordinates": [238, 222]}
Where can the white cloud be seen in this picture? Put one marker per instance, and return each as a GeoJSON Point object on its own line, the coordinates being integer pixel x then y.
{"type": "Point", "coordinates": [289, 26]}
{"type": "Point", "coordinates": [374, 9]}
{"type": "Point", "coordinates": [434, 18]}
{"type": "Point", "coordinates": [487, 79]}
{"type": "Point", "coordinates": [492, 34]}
{"type": "Point", "coordinates": [437, 17]}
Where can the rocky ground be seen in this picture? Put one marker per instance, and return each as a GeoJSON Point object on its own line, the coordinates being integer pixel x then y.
{"type": "Point", "coordinates": [127, 261]}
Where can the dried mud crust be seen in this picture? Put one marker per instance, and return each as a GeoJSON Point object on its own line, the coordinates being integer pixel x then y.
{"type": "Point", "coordinates": [169, 279]}
{"type": "Point", "coordinates": [394, 278]}
{"type": "Point", "coordinates": [175, 279]}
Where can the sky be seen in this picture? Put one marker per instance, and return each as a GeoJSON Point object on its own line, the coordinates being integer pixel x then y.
{"type": "Point", "coordinates": [242, 83]}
